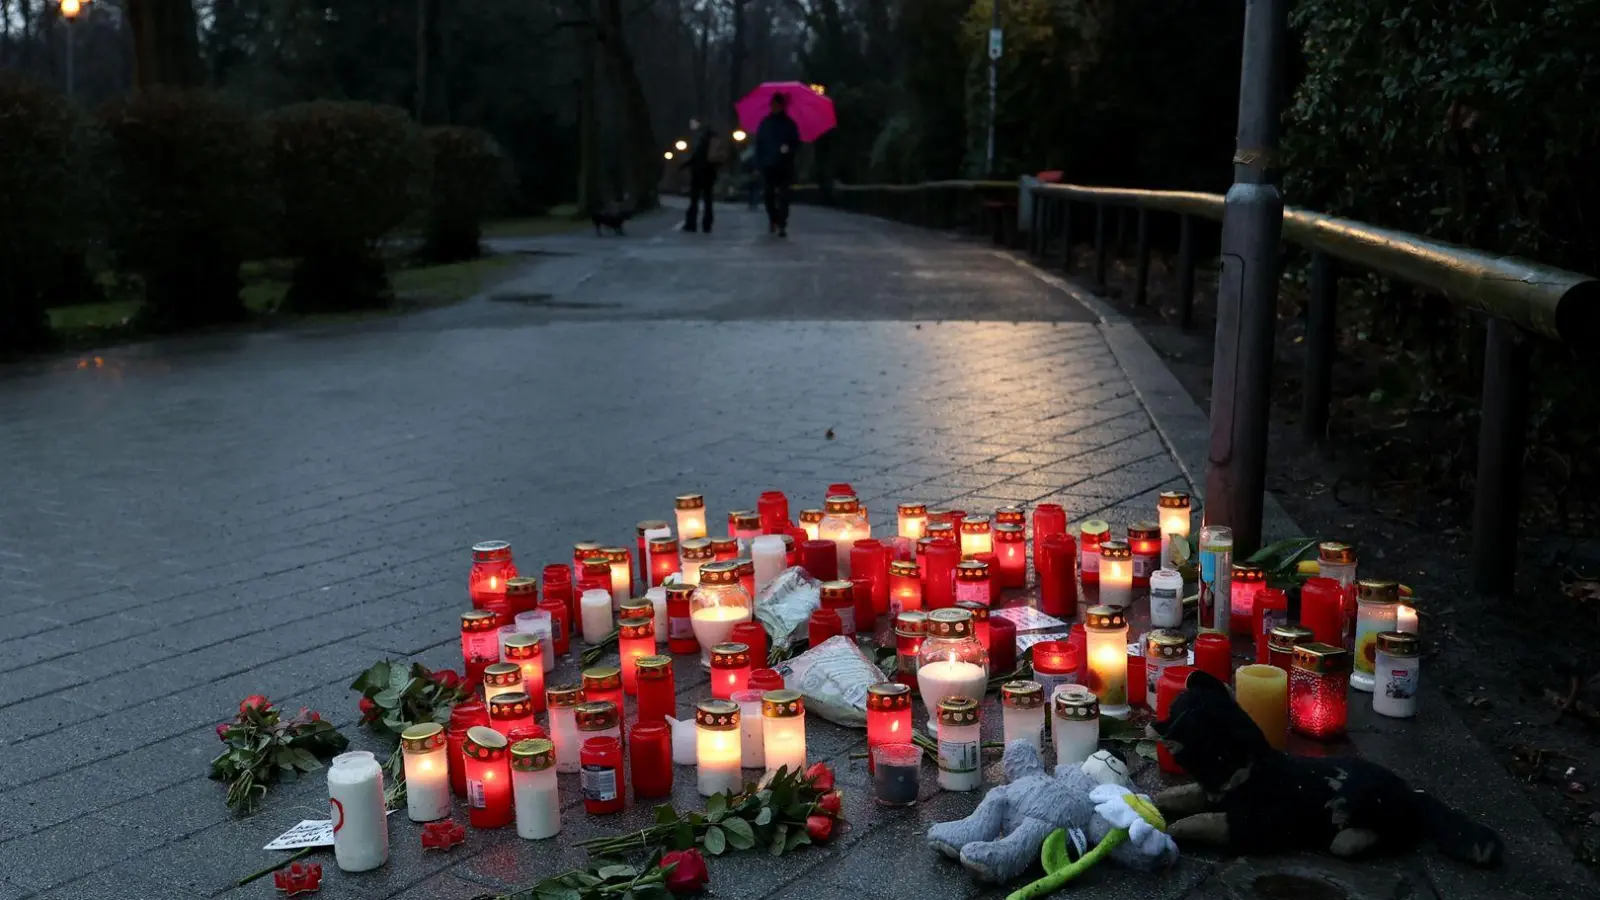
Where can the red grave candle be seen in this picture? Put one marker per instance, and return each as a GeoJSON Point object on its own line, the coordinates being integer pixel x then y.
{"type": "Point", "coordinates": [527, 651]}
{"type": "Point", "coordinates": [888, 716]}
{"type": "Point", "coordinates": [905, 586]}
{"type": "Point", "coordinates": [1048, 519]}
{"type": "Point", "coordinates": [724, 549]}
{"type": "Point", "coordinates": [1091, 535]}
{"type": "Point", "coordinates": [744, 524]}
{"type": "Point", "coordinates": [839, 597]}
{"type": "Point", "coordinates": [560, 622]}
{"type": "Point", "coordinates": [866, 615]}
{"type": "Point", "coordinates": [463, 716]}
{"type": "Point", "coordinates": [1144, 540]}
{"type": "Point", "coordinates": [604, 789]}
{"type": "Point", "coordinates": [636, 639]}
{"type": "Point", "coordinates": [491, 569]}
{"type": "Point", "coordinates": [980, 625]}
{"type": "Point", "coordinates": [747, 575]}
{"type": "Point", "coordinates": [1319, 691]}
{"type": "Point", "coordinates": [1055, 561]}
{"type": "Point", "coordinates": [595, 570]}
{"type": "Point", "coordinates": [1010, 555]}
{"type": "Point", "coordinates": [820, 559]}
{"type": "Point", "coordinates": [909, 630]}
{"type": "Point", "coordinates": [581, 551]}
{"type": "Point", "coordinates": [753, 635]}
{"type": "Point", "coordinates": [939, 563]}
{"type": "Point", "coordinates": [1002, 645]}
{"type": "Point", "coordinates": [657, 691]}
{"type": "Point", "coordinates": [1136, 679]}
{"type": "Point", "coordinates": [522, 595]}
{"type": "Point", "coordinates": [824, 624]}
{"type": "Point", "coordinates": [680, 627]}
{"type": "Point", "coordinates": [1322, 610]}
{"type": "Point", "coordinates": [1282, 641]}
{"type": "Point", "coordinates": [764, 680]}
{"type": "Point", "coordinates": [488, 773]}
{"type": "Point", "coordinates": [773, 508]}
{"type": "Point", "coordinates": [869, 558]}
{"type": "Point", "coordinates": [989, 560]}
{"type": "Point", "coordinates": [1213, 654]}
{"type": "Point", "coordinates": [558, 587]}
{"type": "Point", "coordinates": [509, 712]}
{"type": "Point", "coordinates": [1057, 662]}
{"type": "Point", "coordinates": [650, 749]}
{"type": "Point", "coordinates": [480, 641]}
{"type": "Point", "coordinates": [956, 517]}
{"type": "Point", "coordinates": [603, 684]}
{"type": "Point", "coordinates": [642, 548]}
{"type": "Point", "coordinates": [730, 669]}
{"type": "Point", "coordinates": [795, 544]}
{"type": "Point", "coordinates": [1174, 680]}
{"type": "Point", "coordinates": [840, 487]}
{"type": "Point", "coordinates": [1244, 589]}
{"type": "Point", "coordinates": [1010, 515]}
{"type": "Point", "coordinates": [663, 559]}
{"type": "Point", "coordinates": [1271, 610]}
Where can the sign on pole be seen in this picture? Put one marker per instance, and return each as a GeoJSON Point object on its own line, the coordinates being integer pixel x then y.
{"type": "Point", "coordinates": [996, 42]}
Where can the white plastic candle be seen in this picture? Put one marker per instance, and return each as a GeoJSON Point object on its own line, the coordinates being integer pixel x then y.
{"type": "Point", "coordinates": [1116, 574]}
{"type": "Point", "coordinates": [770, 557]}
{"type": "Point", "coordinates": [783, 728]}
{"type": "Point", "coordinates": [658, 599]}
{"type": "Point", "coordinates": [750, 733]}
{"type": "Point", "coordinates": [1023, 710]}
{"type": "Point", "coordinates": [913, 521]}
{"type": "Point", "coordinates": [501, 678]}
{"type": "Point", "coordinates": [1166, 599]}
{"type": "Point", "coordinates": [1106, 631]}
{"type": "Point", "coordinates": [717, 750]}
{"type": "Point", "coordinates": [844, 524]}
{"type": "Point", "coordinates": [949, 678]}
{"type": "Point", "coordinates": [621, 575]}
{"type": "Point", "coordinates": [537, 622]}
{"type": "Point", "coordinates": [1075, 724]}
{"type": "Point", "coordinates": [691, 517]}
{"type": "Point", "coordinates": [684, 749]}
{"type": "Point", "coordinates": [595, 607]}
{"type": "Point", "coordinates": [535, 794]}
{"type": "Point", "coordinates": [427, 772]}
{"type": "Point", "coordinates": [960, 764]}
{"type": "Point", "coordinates": [1405, 619]}
{"type": "Point", "coordinates": [563, 702]}
{"type": "Point", "coordinates": [1174, 515]}
{"type": "Point", "coordinates": [355, 797]}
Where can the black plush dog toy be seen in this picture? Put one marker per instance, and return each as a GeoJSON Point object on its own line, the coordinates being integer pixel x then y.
{"type": "Point", "coordinates": [1250, 798]}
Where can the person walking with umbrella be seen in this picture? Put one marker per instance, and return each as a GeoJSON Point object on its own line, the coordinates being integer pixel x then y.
{"type": "Point", "coordinates": [777, 142]}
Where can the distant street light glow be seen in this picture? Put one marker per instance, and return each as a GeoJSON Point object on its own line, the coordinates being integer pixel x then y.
{"type": "Point", "coordinates": [739, 135]}
{"type": "Point", "coordinates": [681, 146]}
{"type": "Point", "coordinates": [668, 154]}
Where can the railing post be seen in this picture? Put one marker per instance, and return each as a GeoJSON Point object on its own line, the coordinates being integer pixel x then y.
{"type": "Point", "coordinates": [1100, 244]}
{"type": "Point", "coordinates": [1122, 231]}
{"type": "Point", "coordinates": [1066, 234]}
{"type": "Point", "coordinates": [1035, 237]}
{"type": "Point", "coordinates": [1142, 266]}
{"type": "Point", "coordinates": [1502, 432]}
{"type": "Point", "coordinates": [1320, 321]}
{"type": "Point", "coordinates": [1186, 271]}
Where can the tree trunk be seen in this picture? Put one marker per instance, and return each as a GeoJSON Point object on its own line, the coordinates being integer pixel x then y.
{"type": "Point", "coordinates": [432, 87]}
{"type": "Point", "coordinates": [590, 192]}
{"type": "Point", "coordinates": [166, 43]}
{"type": "Point", "coordinates": [644, 165]}
{"type": "Point", "coordinates": [736, 57]}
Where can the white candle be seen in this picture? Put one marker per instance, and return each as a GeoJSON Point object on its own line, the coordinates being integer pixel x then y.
{"type": "Point", "coordinates": [770, 557]}
{"type": "Point", "coordinates": [563, 702]}
{"type": "Point", "coordinates": [1166, 599]}
{"type": "Point", "coordinates": [947, 678]}
{"type": "Point", "coordinates": [913, 521]}
{"type": "Point", "coordinates": [534, 791]}
{"type": "Point", "coordinates": [717, 748]}
{"type": "Point", "coordinates": [1405, 619]}
{"type": "Point", "coordinates": [1174, 516]}
{"type": "Point", "coordinates": [1116, 574]}
{"type": "Point", "coordinates": [684, 750]}
{"type": "Point", "coordinates": [537, 622]}
{"type": "Point", "coordinates": [1075, 724]}
{"type": "Point", "coordinates": [960, 763]}
{"type": "Point", "coordinates": [1106, 633]}
{"type": "Point", "coordinates": [750, 733]}
{"type": "Point", "coordinates": [783, 729]}
{"type": "Point", "coordinates": [1022, 711]}
{"type": "Point", "coordinates": [713, 625]}
{"type": "Point", "coordinates": [427, 772]}
{"type": "Point", "coordinates": [621, 580]}
{"type": "Point", "coordinates": [691, 510]}
{"type": "Point", "coordinates": [596, 610]}
{"type": "Point", "coordinates": [658, 599]}
{"type": "Point", "coordinates": [355, 796]}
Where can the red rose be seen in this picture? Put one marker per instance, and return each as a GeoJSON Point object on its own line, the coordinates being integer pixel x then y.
{"type": "Point", "coordinates": [447, 678]}
{"type": "Point", "coordinates": [222, 730]}
{"type": "Point", "coordinates": [688, 873]}
{"type": "Point", "coordinates": [832, 803]}
{"type": "Point", "coordinates": [820, 777]}
{"type": "Point", "coordinates": [369, 710]}
{"type": "Point", "coordinates": [819, 828]}
{"type": "Point", "coordinates": [254, 702]}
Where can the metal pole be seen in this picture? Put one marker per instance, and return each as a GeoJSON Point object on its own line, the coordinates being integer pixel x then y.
{"type": "Point", "coordinates": [1502, 434]}
{"type": "Point", "coordinates": [71, 68]}
{"type": "Point", "coordinates": [1141, 278]}
{"type": "Point", "coordinates": [994, 67]}
{"type": "Point", "coordinates": [1185, 272]}
{"type": "Point", "coordinates": [1320, 321]}
{"type": "Point", "coordinates": [1247, 295]}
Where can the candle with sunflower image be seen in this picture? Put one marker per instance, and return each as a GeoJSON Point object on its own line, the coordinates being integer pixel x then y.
{"type": "Point", "coordinates": [1377, 608]}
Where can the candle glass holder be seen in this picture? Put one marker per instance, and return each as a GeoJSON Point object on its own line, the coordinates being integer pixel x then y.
{"type": "Point", "coordinates": [811, 522]}
{"type": "Point", "coordinates": [492, 567]}
{"type": "Point", "coordinates": [508, 712]}
{"type": "Point", "coordinates": [1319, 686]}
{"type": "Point", "coordinates": [717, 747]}
{"type": "Point", "coordinates": [427, 768]}
{"type": "Point", "coordinates": [750, 733]}
{"type": "Point", "coordinates": [976, 536]}
{"type": "Point", "coordinates": [1116, 574]}
{"type": "Point", "coordinates": [1163, 648]}
{"type": "Point", "coordinates": [1282, 641]}
{"type": "Point", "coordinates": [939, 559]}
{"type": "Point", "coordinates": [717, 604]}
{"type": "Point", "coordinates": [972, 582]}
{"type": "Point", "coordinates": [621, 564]}
{"type": "Point", "coordinates": [1074, 724]}
{"type": "Point", "coordinates": [1246, 582]}
{"type": "Point", "coordinates": [1216, 569]}
{"type": "Point", "coordinates": [783, 727]}
{"type": "Point", "coordinates": [562, 702]}
{"type": "Point", "coordinates": [951, 661]}
{"type": "Point", "coordinates": [1011, 555]}
{"type": "Point", "coordinates": [730, 669]}
{"type": "Point", "coordinates": [1213, 654]}
{"type": "Point", "coordinates": [1397, 672]}
{"type": "Point", "coordinates": [598, 719]}
{"type": "Point", "coordinates": [1322, 610]}
{"type": "Point", "coordinates": [1144, 542]}
{"type": "Point", "coordinates": [526, 652]}
{"type": "Point", "coordinates": [773, 509]}
{"type": "Point", "coordinates": [680, 622]}
{"type": "Point", "coordinates": [896, 774]}
{"type": "Point", "coordinates": [960, 757]}
{"type": "Point", "coordinates": [1271, 610]}
{"type": "Point", "coordinates": [501, 678]}
{"type": "Point", "coordinates": [1173, 511]}
{"type": "Point", "coordinates": [909, 630]}
{"type": "Point", "coordinates": [769, 557]}
{"type": "Point", "coordinates": [657, 691]}
{"type": "Point", "coordinates": [743, 526]}
{"type": "Point", "coordinates": [844, 524]}
{"type": "Point", "coordinates": [535, 793]}
{"type": "Point", "coordinates": [1091, 535]}
{"type": "Point", "coordinates": [840, 598]}
{"type": "Point", "coordinates": [1048, 519]}
{"type": "Point", "coordinates": [905, 586]}
{"type": "Point", "coordinates": [605, 791]}
{"type": "Point", "coordinates": [488, 770]}
{"type": "Point", "coordinates": [636, 639]}
{"type": "Point", "coordinates": [603, 684]}
{"type": "Point", "coordinates": [692, 554]}
{"type": "Point", "coordinates": [650, 750]}
{"type": "Point", "coordinates": [1106, 648]}
{"type": "Point", "coordinates": [1056, 663]}
{"type": "Point", "coordinates": [1174, 681]}
{"type": "Point", "coordinates": [691, 515]}
{"type": "Point", "coordinates": [869, 559]}
{"type": "Point", "coordinates": [521, 595]}
{"type": "Point", "coordinates": [1377, 611]}
{"type": "Point", "coordinates": [1055, 563]}
{"type": "Point", "coordinates": [980, 627]}
{"type": "Point", "coordinates": [641, 545]}
{"type": "Point", "coordinates": [1337, 561]}
{"type": "Point", "coordinates": [1023, 710]}
{"type": "Point", "coordinates": [480, 640]}
{"type": "Point", "coordinates": [663, 552]}
{"type": "Point", "coordinates": [888, 716]}
{"type": "Point", "coordinates": [913, 520]}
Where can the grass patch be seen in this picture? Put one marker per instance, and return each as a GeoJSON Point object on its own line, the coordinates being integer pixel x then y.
{"type": "Point", "coordinates": [560, 220]}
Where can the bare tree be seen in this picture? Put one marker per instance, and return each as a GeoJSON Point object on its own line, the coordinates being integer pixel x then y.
{"type": "Point", "coordinates": [166, 43]}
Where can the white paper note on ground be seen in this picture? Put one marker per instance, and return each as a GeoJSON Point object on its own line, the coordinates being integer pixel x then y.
{"type": "Point", "coordinates": [309, 833]}
{"type": "Point", "coordinates": [1026, 618]}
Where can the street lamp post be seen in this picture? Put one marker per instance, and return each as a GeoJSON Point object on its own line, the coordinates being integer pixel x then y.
{"type": "Point", "coordinates": [996, 39]}
{"type": "Point", "coordinates": [69, 11]}
{"type": "Point", "coordinates": [1247, 295]}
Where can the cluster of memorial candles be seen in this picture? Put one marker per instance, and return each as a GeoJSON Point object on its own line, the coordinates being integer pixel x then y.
{"type": "Point", "coordinates": [933, 584]}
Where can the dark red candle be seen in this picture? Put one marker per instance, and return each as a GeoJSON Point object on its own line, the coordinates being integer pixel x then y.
{"type": "Point", "coordinates": [558, 586]}
{"type": "Point", "coordinates": [1213, 654]}
{"type": "Point", "coordinates": [1057, 662]}
{"type": "Point", "coordinates": [657, 696]}
{"type": "Point", "coordinates": [642, 557]}
{"type": "Point", "coordinates": [840, 597]}
{"type": "Point", "coordinates": [773, 508]}
{"type": "Point", "coordinates": [1136, 680]}
{"type": "Point", "coordinates": [1322, 610]}
{"type": "Point", "coordinates": [824, 624]}
{"type": "Point", "coordinates": [1055, 562]}
{"type": "Point", "coordinates": [869, 558]}
{"type": "Point", "coordinates": [765, 680]}
{"type": "Point", "coordinates": [839, 488]}
{"type": "Point", "coordinates": [462, 716]}
{"type": "Point", "coordinates": [863, 591]}
{"type": "Point", "coordinates": [1174, 680]}
{"type": "Point", "coordinates": [724, 548]}
{"type": "Point", "coordinates": [1002, 645]}
{"type": "Point", "coordinates": [680, 627]}
{"type": "Point", "coordinates": [1271, 610]}
{"type": "Point", "coordinates": [820, 559]}
{"type": "Point", "coordinates": [1048, 519]}
{"type": "Point", "coordinates": [797, 540]}
{"type": "Point", "coordinates": [604, 788]}
{"type": "Point", "coordinates": [560, 624]}
{"type": "Point", "coordinates": [938, 573]}
{"type": "Point", "coordinates": [754, 636]}
{"type": "Point", "coordinates": [650, 746]}
{"type": "Point", "coordinates": [992, 561]}
{"type": "Point", "coordinates": [487, 763]}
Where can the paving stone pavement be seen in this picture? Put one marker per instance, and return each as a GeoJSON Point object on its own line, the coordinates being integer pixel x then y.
{"type": "Point", "coordinates": [186, 522]}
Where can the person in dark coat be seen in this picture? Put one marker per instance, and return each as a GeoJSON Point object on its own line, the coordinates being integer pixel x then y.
{"type": "Point", "coordinates": [777, 143]}
{"type": "Point", "coordinates": [702, 167]}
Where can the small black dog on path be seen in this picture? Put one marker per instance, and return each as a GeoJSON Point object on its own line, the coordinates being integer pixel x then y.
{"type": "Point", "coordinates": [612, 218]}
{"type": "Point", "coordinates": [1250, 798]}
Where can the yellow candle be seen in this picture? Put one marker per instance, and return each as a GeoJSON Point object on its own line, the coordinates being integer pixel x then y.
{"type": "Point", "coordinates": [1263, 693]}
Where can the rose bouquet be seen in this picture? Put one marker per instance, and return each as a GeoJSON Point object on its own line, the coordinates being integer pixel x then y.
{"type": "Point", "coordinates": [263, 747]}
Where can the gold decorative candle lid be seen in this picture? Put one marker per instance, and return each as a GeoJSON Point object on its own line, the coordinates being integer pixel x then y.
{"type": "Point", "coordinates": [972, 570]}
{"type": "Point", "coordinates": [563, 696]}
{"type": "Point", "coordinates": [602, 678]}
{"type": "Point", "coordinates": [522, 586]}
{"type": "Point", "coordinates": [975, 525]}
{"type": "Point", "coordinates": [732, 655]}
{"type": "Point", "coordinates": [636, 608]}
{"type": "Point", "coordinates": [843, 504]}
{"type": "Point", "coordinates": [1115, 550]}
{"type": "Point", "coordinates": [913, 509]}
{"type": "Point", "coordinates": [637, 627]}
{"type": "Point", "coordinates": [596, 564]}
{"type": "Point", "coordinates": [810, 516]}
{"type": "Point", "coordinates": [515, 705]}
{"type": "Point", "coordinates": [911, 624]}
{"type": "Point", "coordinates": [479, 620]}
{"type": "Point", "coordinates": [1248, 572]}
{"type": "Point", "coordinates": [1167, 645]}
{"type": "Point", "coordinates": [838, 591]}
{"type": "Point", "coordinates": [940, 530]}
{"type": "Point", "coordinates": [1010, 515]}
{"type": "Point", "coordinates": [691, 501]}
{"type": "Point", "coordinates": [1399, 643]}
{"type": "Point", "coordinates": [1321, 659]}
{"type": "Point", "coordinates": [585, 549]}
{"type": "Point", "coordinates": [720, 545]}
{"type": "Point", "coordinates": [1336, 553]}
{"type": "Point", "coordinates": [1144, 531]}
{"type": "Point", "coordinates": [1377, 591]}
{"type": "Point", "coordinates": [939, 516]}
{"type": "Point", "coordinates": [718, 715]}
{"type": "Point", "coordinates": [958, 711]}
{"type": "Point", "coordinates": [1009, 533]}
{"type": "Point", "coordinates": [888, 696]}
{"type": "Point", "coordinates": [980, 613]}
{"type": "Point", "coordinates": [615, 554]}
{"type": "Point", "coordinates": [697, 548]}
{"type": "Point", "coordinates": [1287, 637]}
{"type": "Point", "coordinates": [1105, 618]}
{"type": "Point", "coordinates": [654, 668]}
{"type": "Point", "coordinates": [907, 568]}
{"type": "Point", "coordinates": [1173, 500]}
{"type": "Point", "coordinates": [679, 589]}
{"type": "Point", "coordinates": [724, 572]}
{"type": "Point", "coordinates": [924, 542]}
{"type": "Point", "coordinates": [522, 646]}
{"type": "Point", "coordinates": [1074, 701]}
{"type": "Point", "coordinates": [1022, 695]}
{"type": "Point", "coordinates": [745, 518]}
{"type": "Point", "coordinates": [597, 716]}
{"type": "Point", "coordinates": [484, 743]}
{"type": "Point", "coordinates": [422, 738]}
{"type": "Point", "coordinates": [533, 755]}
{"type": "Point", "coordinates": [491, 551]}
{"type": "Point", "coordinates": [949, 623]}
{"type": "Point", "coordinates": [1095, 527]}
{"type": "Point", "coordinates": [784, 704]}
{"type": "Point", "coordinates": [660, 546]}
{"type": "Point", "coordinates": [502, 674]}
{"type": "Point", "coordinates": [747, 566]}
{"type": "Point", "coordinates": [650, 525]}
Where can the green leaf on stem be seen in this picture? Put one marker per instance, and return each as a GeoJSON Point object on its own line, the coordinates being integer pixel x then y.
{"type": "Point", "coordinates": [387, 698]}
{"type": "Point", "coordinates": [716, 841]}
{"type": "Point", "coordinates": [716, 807]}
{"type": "Point", "coordinates": [780, 837]}
{"type": "Point", "coordinates": [764, 817]}
{"type": "Point", "coordinates": [612, 873]}
{"type": "Point", "coordinates": [666, 815]}
{"type": "Point", "coordinates": [797, 839]}
{"type": "Point", "coordinates": [682, 836]}
{"type": "Point", "coordinates": [740, 835]}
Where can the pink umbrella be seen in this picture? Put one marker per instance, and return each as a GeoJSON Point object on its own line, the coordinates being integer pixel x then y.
{"type": "Point", "coordinates": [811, 110]}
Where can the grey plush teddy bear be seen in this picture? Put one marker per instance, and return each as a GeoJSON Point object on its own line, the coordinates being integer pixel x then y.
{"type": "Point", "coordinates": [1001, 839]}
